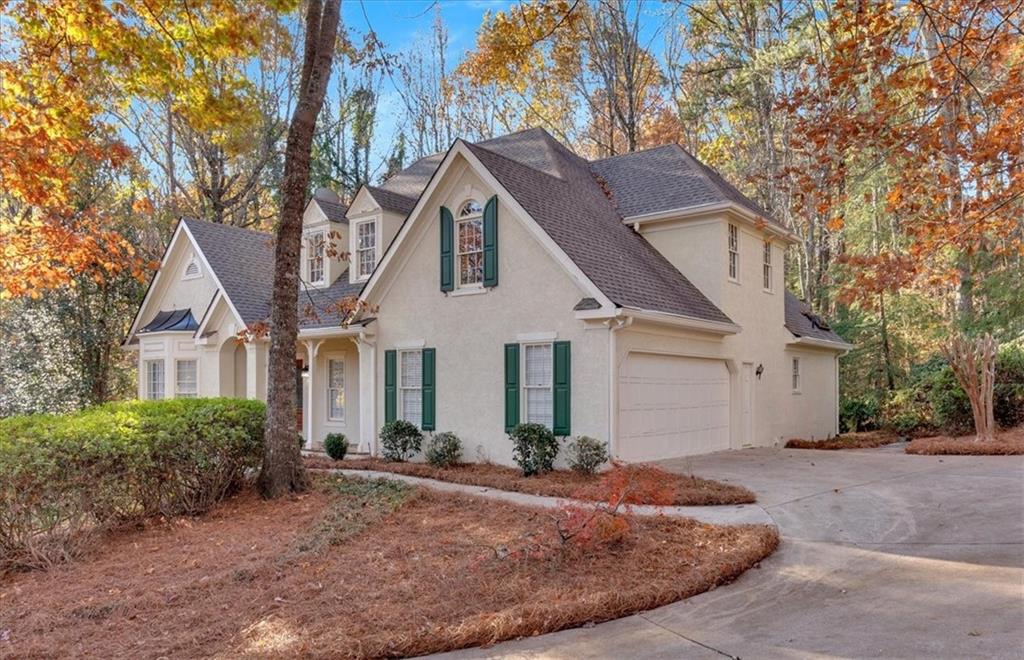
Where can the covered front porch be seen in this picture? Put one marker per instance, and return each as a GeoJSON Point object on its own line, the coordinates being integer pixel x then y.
{"type": "Point", "coordinates": [335, 387]}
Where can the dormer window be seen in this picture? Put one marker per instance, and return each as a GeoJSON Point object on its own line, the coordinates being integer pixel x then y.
{"type": "Point", "coordinates": [469, 236]}
{"type": "Point", "coordinates": [366, 248]}
{"type": "Point", "coordinates": [316, 257]}
{"type": "Point", "coordinates": [192, 269]}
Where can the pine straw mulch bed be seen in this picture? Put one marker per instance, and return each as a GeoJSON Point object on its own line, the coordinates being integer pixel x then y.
{"type": "Point", "coordinates": [357, 569]}
{"type": "Point", "coordinates": [1006, 443]}
{"type": "Point", "coordinates": [860, 440]}
{"type": "Point", "coordinates": [685, 490]}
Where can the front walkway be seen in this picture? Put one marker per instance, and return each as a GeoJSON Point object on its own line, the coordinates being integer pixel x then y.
{"type": "Point", "coordinates": [884, 555]}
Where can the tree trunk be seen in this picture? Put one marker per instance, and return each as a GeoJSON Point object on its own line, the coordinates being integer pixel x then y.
{"type": "Point", "coordinates": [974, 363]}
{"type": "Point", "coordinates": [282, 470]}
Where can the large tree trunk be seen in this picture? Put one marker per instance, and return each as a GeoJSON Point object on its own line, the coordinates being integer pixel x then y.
{"type": "Point", "coordinates": [974, 363]}
{"type": "Point", "coordinates": [282, 470]}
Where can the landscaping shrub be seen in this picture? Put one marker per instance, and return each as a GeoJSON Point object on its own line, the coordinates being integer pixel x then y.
{"type": "Point", "coordinates": [859, 413]}
{"type": "Point", "coordinates": [444, 450]}
{"type": "Point", "coordinates": [399, 440]}
{"type": "Point", "coordinates": [534, 448]}
{"type": "Point", "coordinates": [586, 454]}
{"type": "Point", "coordinates": [336, 445]}
{"type": "Point", "coordinates": [65, 478]}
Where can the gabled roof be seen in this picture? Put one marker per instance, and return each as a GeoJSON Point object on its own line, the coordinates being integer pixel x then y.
{"type": "Point", "coordinates": [801, 322]}
{"type": "Point", "coordinates": [334, 211]}
{"type": "Point", "coordinates": [667, 178]}
{"type": "Point", "coordinates": [175, 320]}
{"type": "Point", "coordinates": [392, 201]}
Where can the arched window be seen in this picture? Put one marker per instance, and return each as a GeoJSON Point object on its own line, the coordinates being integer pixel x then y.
{"type": "Point", "coordinates": [469, 236]}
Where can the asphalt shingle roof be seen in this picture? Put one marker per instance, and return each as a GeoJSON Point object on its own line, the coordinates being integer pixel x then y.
{"type": "Point", "coordinates": [802, 323]}
{"type": "Point", "coordinates": [393, 201]}
{"type": "Point", "coordinates": [335, 212]}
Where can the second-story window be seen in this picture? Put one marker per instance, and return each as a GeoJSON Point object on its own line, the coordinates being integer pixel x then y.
{"type": "Point", "coordinates": [734, 253]}
{"type": "Point", "coordinates": [767, 266]}
{"type": "Point", "coordinates": [366, 248]}
{"type": "Point", "coordinates": [316, 258]}
{"type": "Point", "coordinates": [469, 236]}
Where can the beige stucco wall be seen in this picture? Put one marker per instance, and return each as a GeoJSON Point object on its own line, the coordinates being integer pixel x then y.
{"type": "Point", "coordinates": [315, 389]}
{"type": "Point", "coordinates": [535, 295]}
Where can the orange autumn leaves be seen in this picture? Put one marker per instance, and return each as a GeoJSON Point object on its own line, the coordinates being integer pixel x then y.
{"type": "Point", "coordinates": [66, 68]}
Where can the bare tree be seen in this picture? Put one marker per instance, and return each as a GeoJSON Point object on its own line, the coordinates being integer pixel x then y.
{"type": "Point", "coordinates": [974, 363]}
{"type": "Point", "coordinates": [282, 470]}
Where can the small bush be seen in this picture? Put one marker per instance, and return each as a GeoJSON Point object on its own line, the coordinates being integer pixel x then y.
{"type": "Point", "coordinates": [444, 450]}
{"type": "Point", "coordinates": [859, 413]}
{"type": "Point", "coordinates": [336, 445]}
{"type": "Point", "coordinates": [534, 448]}
{"type": "Point", "coordinates": [66, 478]}
{"type": "Point", "coordinates": [399, 440]}
{"type": "Point", "coordinates": [586, 454]}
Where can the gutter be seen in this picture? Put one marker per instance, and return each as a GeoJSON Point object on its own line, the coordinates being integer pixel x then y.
{"type": "Point", "coordinates": [843, 347]}
{"type": "Point", "coordinates": [731, 208]}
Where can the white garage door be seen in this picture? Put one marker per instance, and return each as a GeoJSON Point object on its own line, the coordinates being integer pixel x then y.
{"type": "Point", "coordinates": [672, 406]}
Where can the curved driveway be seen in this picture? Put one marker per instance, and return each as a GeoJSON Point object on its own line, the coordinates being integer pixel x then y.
{"type": "Point", "coordinates": [884, 555]}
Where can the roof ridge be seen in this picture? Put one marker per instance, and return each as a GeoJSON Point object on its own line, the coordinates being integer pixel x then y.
{"type": "Point", "coordinates": [634, 153]}
{"type": "Point", "coordinates": [186, 219]}
{"type": "Point", "coordinates": [511, 160]}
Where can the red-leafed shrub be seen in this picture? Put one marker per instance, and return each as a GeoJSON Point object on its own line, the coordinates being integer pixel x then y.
{"type": "Point", "coordinates": [636, 484]}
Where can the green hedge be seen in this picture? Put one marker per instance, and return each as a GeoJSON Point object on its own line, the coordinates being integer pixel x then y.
{"type": "Point", "coordinates": [64, 478]}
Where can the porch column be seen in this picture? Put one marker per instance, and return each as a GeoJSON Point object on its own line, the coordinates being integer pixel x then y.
{"type": "Point", "coordinates": [256, 370]}
{"type": "Point", "coordinates": [367, 394]}
{"type": "Point", "coordinates": [312, 348]}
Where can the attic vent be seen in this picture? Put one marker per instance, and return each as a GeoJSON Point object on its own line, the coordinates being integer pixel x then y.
{"type": "Point", "coordinates": [817, 321]}
{"type": "Point", "coordinates": [192, 270]}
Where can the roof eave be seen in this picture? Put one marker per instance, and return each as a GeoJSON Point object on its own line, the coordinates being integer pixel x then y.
{"type": "Point", "coordinates": [664, 318]}
{"type": "Point", "coordinates": [729, 207]}
{"type": "Point", "coordinates": [843, 347]}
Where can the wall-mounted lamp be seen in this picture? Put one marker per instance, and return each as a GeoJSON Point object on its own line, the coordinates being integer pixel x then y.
{"type": "Point", "coordinates": [759, 371]}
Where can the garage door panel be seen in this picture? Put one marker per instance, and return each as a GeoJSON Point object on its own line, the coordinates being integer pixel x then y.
{"type": "Point", "coordinates": [672, 406]}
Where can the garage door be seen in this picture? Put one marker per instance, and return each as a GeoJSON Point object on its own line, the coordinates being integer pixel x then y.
{"type": "Point", "coordinates": [672, 406]}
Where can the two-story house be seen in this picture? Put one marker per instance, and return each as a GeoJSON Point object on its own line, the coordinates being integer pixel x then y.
{"type": "Point", "coordinates": [637, 299]}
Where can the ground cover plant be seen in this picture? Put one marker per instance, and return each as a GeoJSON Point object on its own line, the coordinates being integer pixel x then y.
{"type": "Point", "coordinates": [357, 568]}
{"type": "Point", "coordinates": [64, 479]}
{"type": "Point", "coordinates": [684, 490]}
{"type": "Point", "coordinates": [861, 440]}
{"type": "Point", "coordinates": [1005, 443]}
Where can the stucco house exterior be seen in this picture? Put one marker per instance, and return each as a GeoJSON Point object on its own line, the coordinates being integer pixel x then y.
{"type": "Point", "coordinates": [637, 299]}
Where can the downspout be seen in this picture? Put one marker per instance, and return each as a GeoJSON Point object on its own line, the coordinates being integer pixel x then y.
{"type": "Point", "coordinates": [614, 325]}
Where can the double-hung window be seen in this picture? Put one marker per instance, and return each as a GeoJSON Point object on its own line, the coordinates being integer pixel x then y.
{"type": "Point", "coordinates": [538, 396]}
{"type": "Point", "coordinates": [469, 237]}
{"type": "Point", "coordinates": [410, 386]}
{"type": "Point", "coordinates": [734, 253]}
{"type": "Point", "coordinates": [317, 248]}
{"type": "Point", "coordinates": [366, 248]}
{"type": "Point", "coordinates": [154, 379]}
{"type": "Point", "coordinates": [767, 266]}
{"type": "Point", "coordinates": [336, 390]}
{"type": "Point", "coordinates": [796, 375]}
{"type": "Point", "coordinates": [186, 379]}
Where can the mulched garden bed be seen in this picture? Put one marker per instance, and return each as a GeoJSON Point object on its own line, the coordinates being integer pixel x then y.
{"type": "Point", "coordinates": [656, 486]}
{"type": "Point", "coordinates": [357, 569]}
{"type": "Point", "coordinates": [861, 440]}
{"type": "Point", "coordinates": [1006, 443]}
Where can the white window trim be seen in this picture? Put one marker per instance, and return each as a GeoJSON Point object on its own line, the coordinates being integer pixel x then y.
{"type": "Point", "coordinates": [522, 379]}
{"type": "Point", "coordinates": [309, 238]}
{"type": "Point", "coordinates": [796, 372]}
{"type": "Point", "coordinates": [328, 388]}
{"type": "Point", "coordinates": [767, 266]}
{"type": "Point", "coordinates": [148, 389]}
{"type": "Point", "coordinates": [355, 247]}
{"type": "Point", "coordinates": [177, 392]}
{"type": "Point", "coordinates": [730, 230]}
{"type": "Point", "coordinates": [193, 261]}
{"type": "Point", "coordinates": [459, 285]}
{"type": "Point", "coordinates": [400, 412]}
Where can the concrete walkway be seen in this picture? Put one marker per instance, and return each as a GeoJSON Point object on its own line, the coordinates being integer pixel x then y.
{"type": "Point", "coordinates": [884, 555]}
{"type": "Point", "coordinates": [719, 515]}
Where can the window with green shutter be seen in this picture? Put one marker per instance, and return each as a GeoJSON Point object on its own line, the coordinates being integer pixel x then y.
{"type": "Point", "coordinates": [491, 242]}
{"type": "Point", "coordinates": [390, 386]}
{"type": "Point", "coordinates": [447, 250]}
{"type": "Point", "coordinates": [511, 386]}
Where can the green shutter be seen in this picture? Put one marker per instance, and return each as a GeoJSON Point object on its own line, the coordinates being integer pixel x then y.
{"type": "Point", "coordinates": [447, 250]}
{"type": "Point", "coordinates": [491, 242]}
{"type": "Point", "coordinates": [390, 390]}
{"type": "Point", "coordinates": [429, 390]}
{"type": "Point", "coordinates": [563, 389]}
{"type": "Point", "coordinates": [511, 386]}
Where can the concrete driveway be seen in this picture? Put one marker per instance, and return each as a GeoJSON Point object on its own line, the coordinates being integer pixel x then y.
{"type": "Point", "coordinates": [884, 555]}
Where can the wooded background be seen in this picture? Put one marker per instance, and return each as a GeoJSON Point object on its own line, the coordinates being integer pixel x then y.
{"type": "Point", "coordinates": [889, 136]}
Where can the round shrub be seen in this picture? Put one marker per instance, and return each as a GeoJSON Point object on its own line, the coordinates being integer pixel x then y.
{"type": "Point", "coordinates": [444, 450]}
{"type": "Point", "coordinates": [534, 448]}
{"type": "Point", "coordinates": [399, 440]}
{"type": "Point", "coordinates": [586, 454]}
{"type": "Point", "coordinates": [336, 445]}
